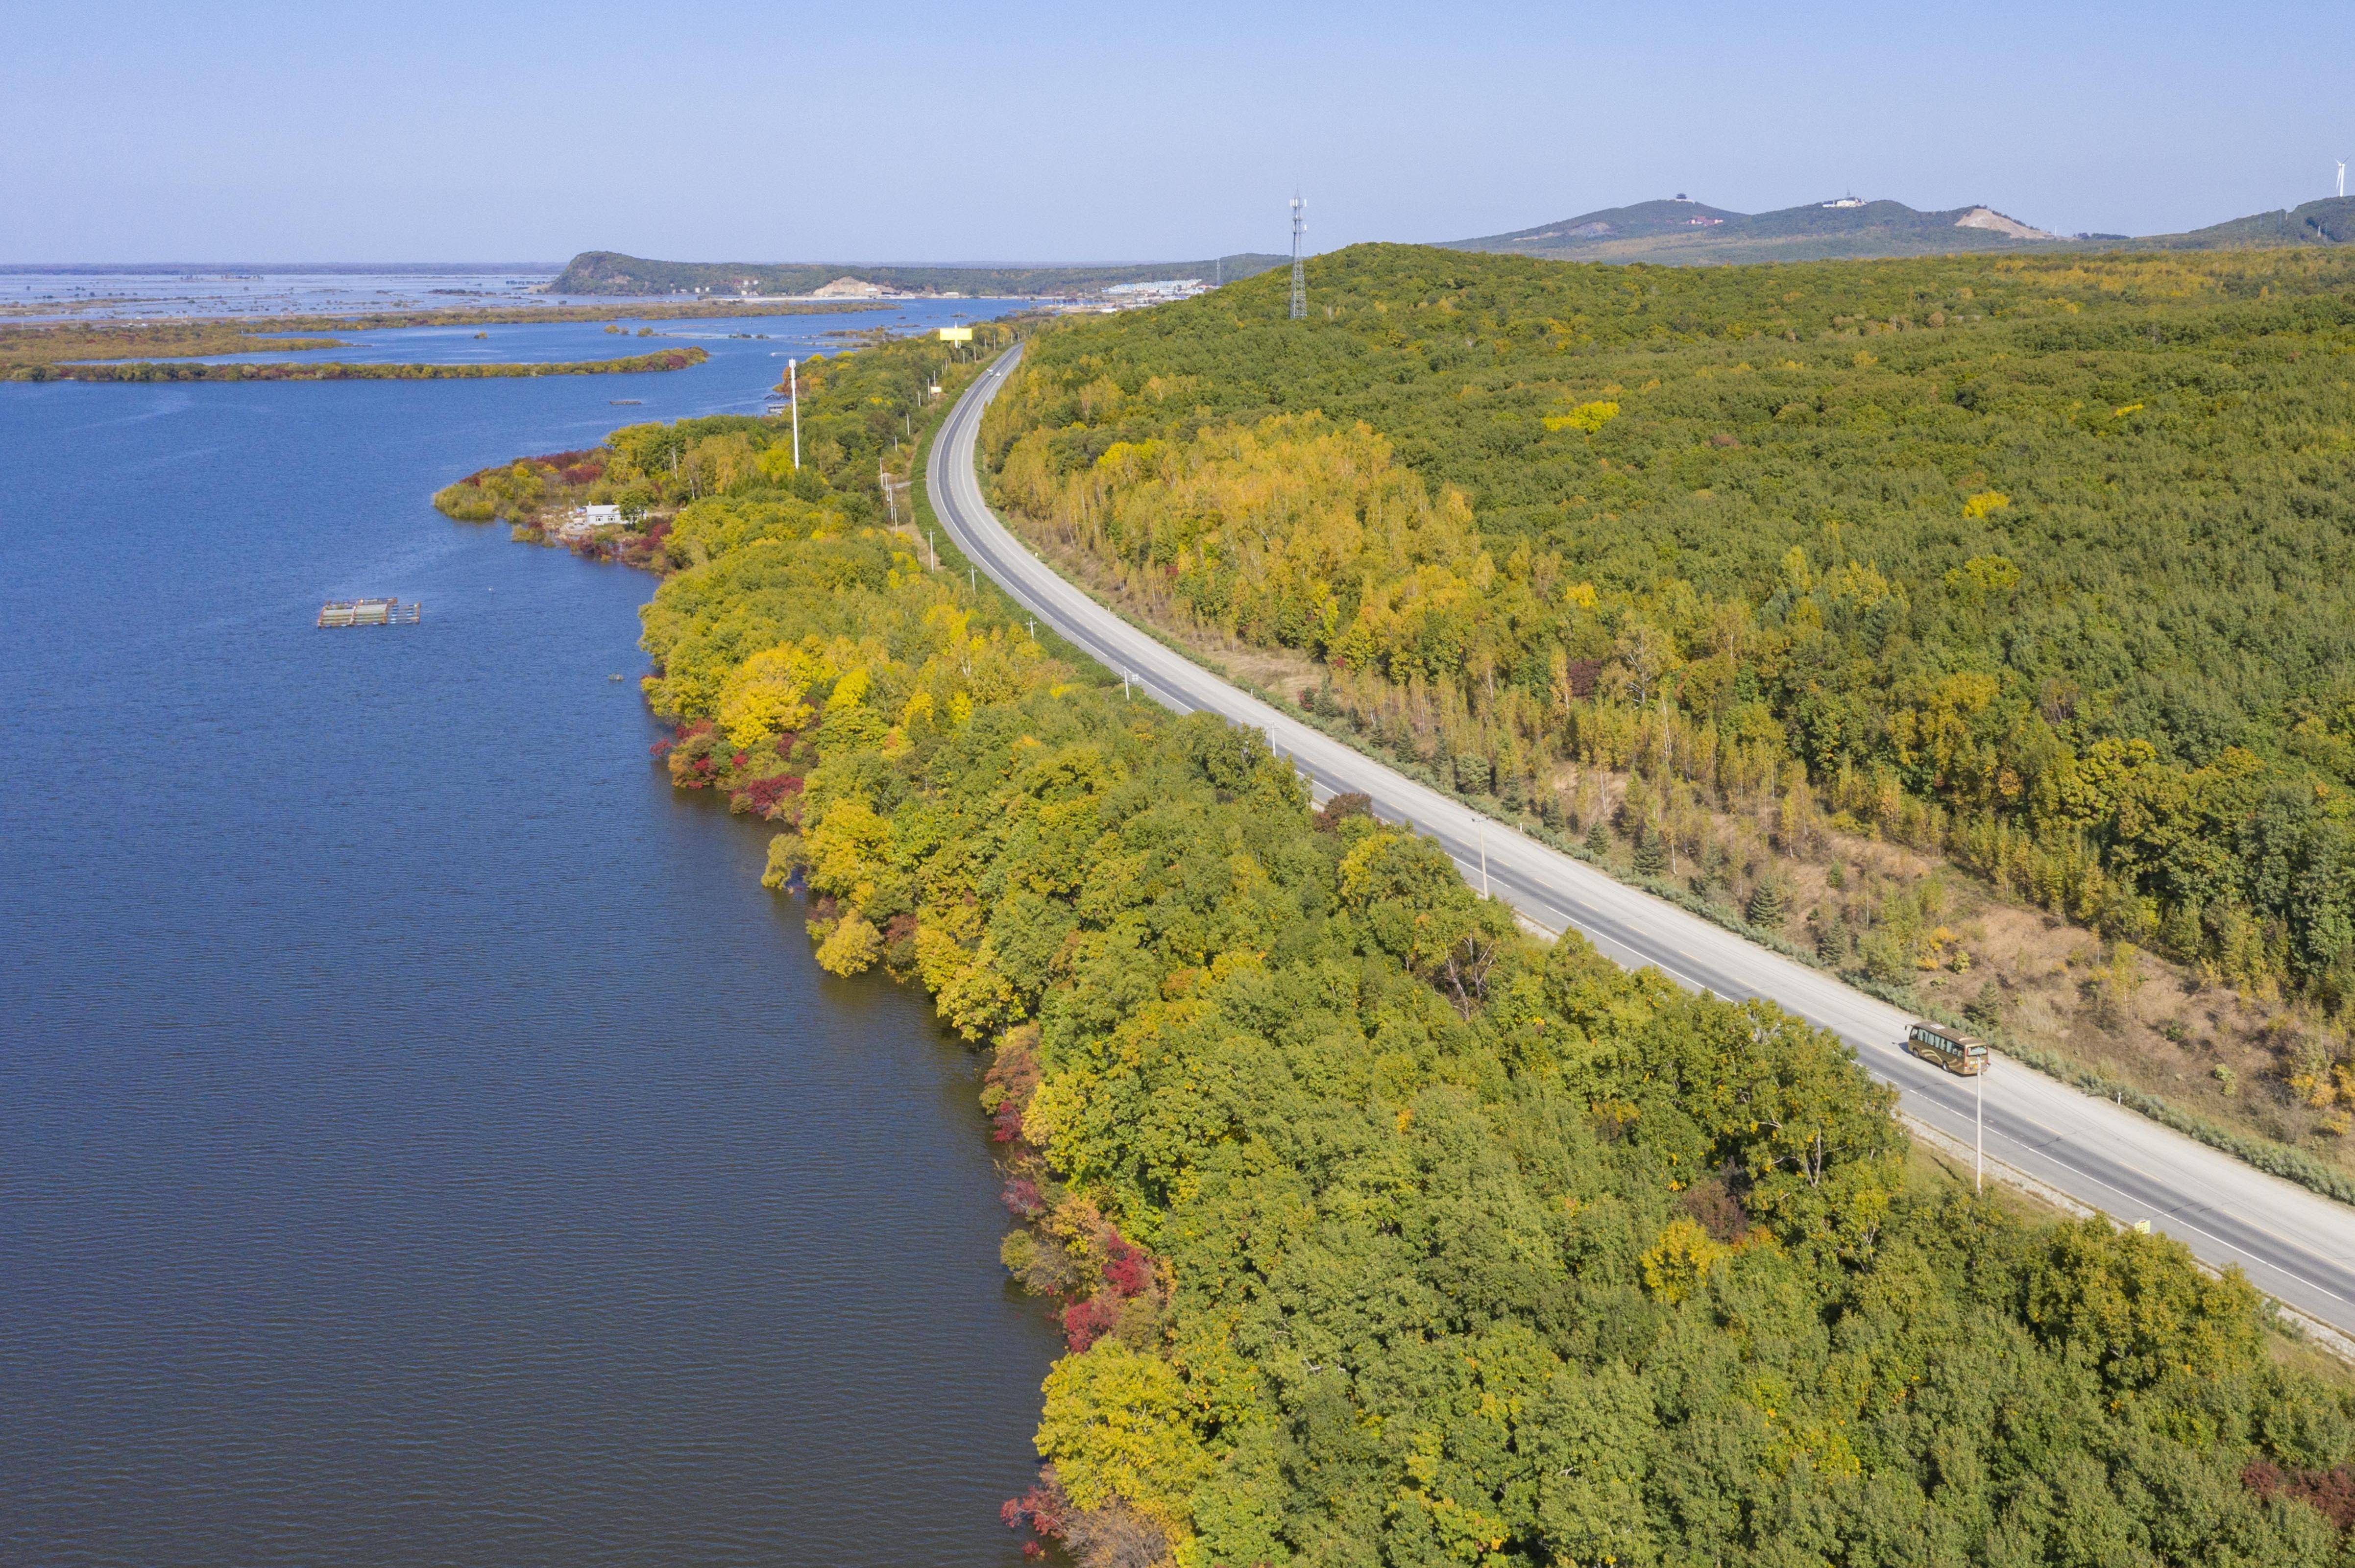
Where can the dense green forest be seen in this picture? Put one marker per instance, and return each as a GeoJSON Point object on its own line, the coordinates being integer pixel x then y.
{"type": "Point", "coordinates": [1379, 1233]}
{"type": "Point", "coordinates": [2046, 561]}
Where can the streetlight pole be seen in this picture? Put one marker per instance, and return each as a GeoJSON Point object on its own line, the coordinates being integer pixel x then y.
{"type": "Point", "coordinates": [1978, 1119]}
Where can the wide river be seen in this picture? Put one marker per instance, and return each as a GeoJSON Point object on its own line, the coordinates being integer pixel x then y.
{"type": "Point", "coordinates": [421, 1139]}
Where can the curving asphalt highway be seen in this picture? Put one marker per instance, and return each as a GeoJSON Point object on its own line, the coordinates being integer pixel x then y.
{"type": "Point", "coordinates": [2291, 1243]}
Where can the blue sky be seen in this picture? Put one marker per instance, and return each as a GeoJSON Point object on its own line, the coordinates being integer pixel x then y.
{"type": "Point", "coordinates": [265, 132]}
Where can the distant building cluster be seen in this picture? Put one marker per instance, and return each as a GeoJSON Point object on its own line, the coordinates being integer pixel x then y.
{"type": "Point", "coordinates": [1129, 296]}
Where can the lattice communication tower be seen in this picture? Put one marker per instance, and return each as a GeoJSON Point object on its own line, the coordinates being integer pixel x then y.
{"type": "Point", "coordinates": [1299, 276]}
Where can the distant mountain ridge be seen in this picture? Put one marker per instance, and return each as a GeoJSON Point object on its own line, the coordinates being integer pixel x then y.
{"type": "Point", "coordinates": [611, 272]}
{"type": "Point", "coordinates": [1682, 232]}
{"type": "Point", "coordinates": [1677, 231]}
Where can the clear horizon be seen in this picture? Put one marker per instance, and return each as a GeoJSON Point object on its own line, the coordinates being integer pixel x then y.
{"type": "Point", "coordinates": [145, 135]}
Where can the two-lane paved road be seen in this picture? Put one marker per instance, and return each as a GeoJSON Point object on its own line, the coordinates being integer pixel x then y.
{"type": "Point", "coordinates": [2292, 1243]}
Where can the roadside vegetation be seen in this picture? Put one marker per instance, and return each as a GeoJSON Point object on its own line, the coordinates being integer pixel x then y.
{"type": "Point", "coordinates": [1983, 627]}
{"type": "Point", "coordinates": [1378, 1232]}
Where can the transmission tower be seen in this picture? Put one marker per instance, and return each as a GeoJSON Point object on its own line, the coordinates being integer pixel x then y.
{"type": "Point", "coordinates": [1299, 276]}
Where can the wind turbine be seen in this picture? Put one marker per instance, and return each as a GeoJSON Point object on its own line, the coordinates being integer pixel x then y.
{"type": "Point", "coordinates": [2342, 176]}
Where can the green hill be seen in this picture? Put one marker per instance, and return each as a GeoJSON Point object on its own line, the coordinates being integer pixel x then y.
{"type": "Point", "coordinates": [2326, 222]}
{"type": "Point", "coordinates": [1690, 233]}
{"type": "Point", "coordinates": [610, 272]}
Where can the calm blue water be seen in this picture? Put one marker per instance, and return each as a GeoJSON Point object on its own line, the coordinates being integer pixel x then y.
{"type": "Point", "coordinates": [421, 1140]}
{"type": "Point", "coordinates": [769, 339]}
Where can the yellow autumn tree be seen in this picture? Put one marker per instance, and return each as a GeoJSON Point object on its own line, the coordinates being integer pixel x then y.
{"type": "Point", "coordinates": [845, 848]}
{"type": "Point", "coordinates": [1586, 417]}
{"type": "Point", "coordinates": [1680, 1260]}
{"type": "Point", "coordinates": [763, 695]}
{"type": "Point", "coordinates": [1118, 1427]}
{"type": "Point", "coordinates": [852, 946]}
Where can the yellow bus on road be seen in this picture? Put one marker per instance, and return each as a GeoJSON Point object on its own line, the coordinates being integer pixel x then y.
{"type": "Point", "coordinates": [1955, 1053]}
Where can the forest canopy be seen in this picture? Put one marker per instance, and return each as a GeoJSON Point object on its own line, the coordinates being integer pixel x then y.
{"type": "Point", "coordinates": [1378, 1232]}
{"type": "Point", "coordinates": [2060, 550]}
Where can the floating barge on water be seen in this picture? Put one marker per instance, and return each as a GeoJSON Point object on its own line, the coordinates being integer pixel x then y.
{"type": "Point", "coordinates": [369, 612]}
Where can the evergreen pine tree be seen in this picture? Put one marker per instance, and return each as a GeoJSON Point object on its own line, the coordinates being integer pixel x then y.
{"type": "Point", "coordinates": [1831, 941]}
{"type": "Point", "coordinates": [1598, 838]}
{"type": "Point", "coordinates": [1766, 909]}
{"type": "Point", "coordinates": [1651, 854]}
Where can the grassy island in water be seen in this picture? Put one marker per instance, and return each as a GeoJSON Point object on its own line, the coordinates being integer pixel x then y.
{"type": "Point", "coordinates": [125, 348]}
{"type": "Point", "coordinates": [1379, 1232]}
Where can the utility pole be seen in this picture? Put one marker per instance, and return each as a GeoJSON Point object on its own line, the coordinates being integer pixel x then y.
{"type": "Point", "coordinates": [1299, 277]}
{"type": "Point", "coordinates": [793, 381]}
{"type": "Point", "coordinates": [1978, 1118]}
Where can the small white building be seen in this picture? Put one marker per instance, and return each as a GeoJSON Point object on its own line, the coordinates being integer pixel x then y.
{"type": "Point", "coordinates": [581, 522]}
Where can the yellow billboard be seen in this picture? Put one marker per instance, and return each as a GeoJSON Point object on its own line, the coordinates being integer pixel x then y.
{"type": "Point", "coordinates": [957, 334]}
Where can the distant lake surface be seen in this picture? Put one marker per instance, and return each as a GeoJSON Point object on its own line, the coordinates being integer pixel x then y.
{"type": "Point", "coordinates": [421, 1138]}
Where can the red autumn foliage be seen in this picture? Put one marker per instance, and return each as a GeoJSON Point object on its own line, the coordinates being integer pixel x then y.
{"type": "Point", "coordinates": [1341, 808]}
{"type": "Point", "coordinates": [1584, 675]}
{"type": "Point", "coordinates": [1014, 1073]}
{"type": "Point", "coordinates": [1043, 1510]}
{"type": "Point", "coordinates": [763, 795]}
{"type": "Point", "coordinates": [1021, 1195]}
{"type": "Point", "coordinates": [582, 473]}
{"type": "Point", "coordinates": [2330, 1493]}
{"type": "Point", "coordinates": [1126, 1268]}
{"type": "Point", "coordinates": [566, 458]}
{"type": "Point", "coordinates": [1088, 1321]}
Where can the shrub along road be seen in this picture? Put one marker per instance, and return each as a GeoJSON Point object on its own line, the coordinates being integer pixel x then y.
{"type": "Point", "coordinates": [2294, 1243]}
